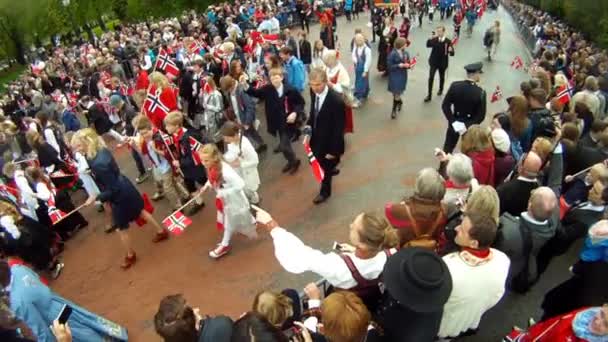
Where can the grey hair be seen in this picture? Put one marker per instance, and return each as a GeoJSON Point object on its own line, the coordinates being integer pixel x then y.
{"type": "Point", "coordinates": [429, 185]}
{"type": "Point", "coordinates": [460, 169]}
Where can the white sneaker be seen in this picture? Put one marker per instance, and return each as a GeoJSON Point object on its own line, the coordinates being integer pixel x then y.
{"type": "Point", "coordinates": [219, 251]}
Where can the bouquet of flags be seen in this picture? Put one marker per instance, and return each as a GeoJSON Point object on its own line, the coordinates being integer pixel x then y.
{"type": "Point", "coordinates": [496, 95]}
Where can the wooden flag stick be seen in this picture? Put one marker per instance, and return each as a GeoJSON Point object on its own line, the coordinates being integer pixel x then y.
{"type": "Point", "coordinates": [202, 191]}
{"type": "Point", "coordinates": [24, 161]}
{"type": "Point", "coordinates": [70, 213]}
{"type": "Point", "coordinates": [581, 172]}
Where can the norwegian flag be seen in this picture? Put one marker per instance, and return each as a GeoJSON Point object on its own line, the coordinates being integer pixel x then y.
{"type": "Point", "coordinates": [196, 47]}
{"type": "Point", "coordinates": [219, 205]}
{"type": "Point", "coordinates": [54, 214]}
{"type": "Point", "coordinates": [261, 81]}
{"type": "Point", "coordinates": [177, 222]}
{"type": "Point", "coordinates": [564, 93]}
{"type": "Point", "coordinates": [9, 192]}
{"type": "Point", "coordinates": [517, 63]}
{"type": "Point", "coordinates": [496, 95]}
{"type": "Point", "coordinates": [166, 64]}
{"type": "Point", "coordinates": [167, 139]}
{"type": "Point", "coordinates": [154, 104]}
{"type": "Point", "coordinates": [195, 145]}
{"type": "Point", "coordinates": [317, 170]}
{"type": "Point", "coordinates": [455, 41]}
{"type": "Point", "coordinates": [413, 62]}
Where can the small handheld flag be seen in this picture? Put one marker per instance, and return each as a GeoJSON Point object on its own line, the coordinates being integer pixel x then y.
{"type": "Point", "coordinates": [517, 63]}
{"type": "Point", "coordinates": [177, 222]}
{"type": "Point", "coordinates": [317, 170]}
{"type": "Point", "coordinates": [496, 95]}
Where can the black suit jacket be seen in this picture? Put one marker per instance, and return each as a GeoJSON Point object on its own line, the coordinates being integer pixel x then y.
{"type": "Point", "coordinates": [275, 107]}
{"type": "Point", "coordinates": [305, 52]}
{"type": "Point", "coordinates": [439, 52]}
{"type": "Point", "coordinates": [328, 129]}
{"type": "Point", "coordinates": [514, 196]}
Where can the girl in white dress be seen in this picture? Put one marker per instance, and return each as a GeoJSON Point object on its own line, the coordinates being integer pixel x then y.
{"type": "Point", "coordinates": [241, 155]}
{"type": "Point", "coordinates": [233, 213]}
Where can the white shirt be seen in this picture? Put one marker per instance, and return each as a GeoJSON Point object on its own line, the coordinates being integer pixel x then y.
{"type": "Point", "coordinates": [235, 106]}
{"type": "Point", "coordinates": [280, 90]}
{"type": "Point", "coordinates": [275, 26]}
{"type": "Point", "coordinates": [321, 98]}
{"type": "Point", "coordinates": [27, 194]}
{"type": "Point", "coordinates": [296, 257]}
{"type": "Point", "coordinates": [363, 50]}
{"type": "Point", "coordinates": [475, 289]}
{"type": "Point", "coordinates": [160, 162]}
{"type": "Point", "coordinates": [248, 159]}
{"type": "Point", "coordinates": [49, 136]}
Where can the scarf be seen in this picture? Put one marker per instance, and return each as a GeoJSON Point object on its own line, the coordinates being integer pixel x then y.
{"type": "Point", "coordinates": [215, 178]}
{"type": "Point", "coordinates": [475, 257]}
{"type": "Point", "coordinates": [580, 325]}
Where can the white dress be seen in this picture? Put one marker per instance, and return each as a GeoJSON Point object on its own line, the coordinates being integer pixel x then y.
{"type": "Point", "coordinates": [249, 161]}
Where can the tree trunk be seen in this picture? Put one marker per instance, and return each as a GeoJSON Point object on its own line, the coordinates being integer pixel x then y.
{"type": "Point", "coordinates": [101, 24]}
{"type": "Point", "coordinates": [20, 50]}
{"type": "Point", "coordinates": [90, 32]}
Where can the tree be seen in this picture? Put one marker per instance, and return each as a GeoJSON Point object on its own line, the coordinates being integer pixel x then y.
{"type": "Point", "coordinates": [16, 22]}
{"type": "Point", "coordinates": [119, 7]}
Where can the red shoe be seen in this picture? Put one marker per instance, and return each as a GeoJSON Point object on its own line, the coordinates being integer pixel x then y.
{"type": "Point", "coordinates": [129, 261]}
{"type": "Point", "coordinates": [219, 251]}
{"type": "Point", "coordinates": [161, 236]}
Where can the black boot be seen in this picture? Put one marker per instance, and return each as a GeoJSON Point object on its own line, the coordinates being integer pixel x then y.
{"type": "Point", "coordinates": [394, 111]}
{"type": "Point", "coordinates": [399, 104]}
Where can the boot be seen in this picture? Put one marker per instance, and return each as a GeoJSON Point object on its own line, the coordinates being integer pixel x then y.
{"type": "Point", "coordinates": [399, 104]}
{"type": "Point", "coordinates": [394, 110]}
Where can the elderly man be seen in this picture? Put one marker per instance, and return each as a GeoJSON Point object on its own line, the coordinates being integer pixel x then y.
{"type": "Point", "coordinates": [522, 238]}
{"type": "Point", "coordinates": [589, 97]}
{"type": "Point", "coordinates": [460, 181]}
{"type": "Point", "coordinates": [515, 193]}
{"type": "Point", "coordinates": [478, 275]}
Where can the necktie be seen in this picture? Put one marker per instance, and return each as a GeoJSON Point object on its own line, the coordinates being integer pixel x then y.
{"type": "Point", "coordinates": [317, 108]}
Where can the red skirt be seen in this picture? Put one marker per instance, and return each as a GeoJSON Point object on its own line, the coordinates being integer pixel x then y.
{"type": "Point", "coordinates": [348, 120]}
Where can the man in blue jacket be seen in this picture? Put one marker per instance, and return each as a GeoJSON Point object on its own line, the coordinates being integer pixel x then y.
{"type": "Point", "coordinates": [294, 69]}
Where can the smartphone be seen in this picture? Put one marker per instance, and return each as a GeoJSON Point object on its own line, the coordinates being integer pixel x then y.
{"type": "Point", "coordinates": [336, 247]}
{"type": "Point", "coordinates": [65, 313]}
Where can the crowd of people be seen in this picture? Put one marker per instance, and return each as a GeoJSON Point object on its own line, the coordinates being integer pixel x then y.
{"type": "Point", "coordinates": [181, 95]}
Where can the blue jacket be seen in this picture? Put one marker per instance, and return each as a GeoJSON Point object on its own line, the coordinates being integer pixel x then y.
{"type": "Point", "coordinates": [595, 250]}
{"type": "Point", "coordinates": [296, 74]}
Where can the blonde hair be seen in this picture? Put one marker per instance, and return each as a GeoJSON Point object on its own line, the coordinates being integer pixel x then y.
{"type": "Point", "coordinates": [330, 57]}
{"type": "Point", "coordinates": [141, 123]}
{"type": "Point", "coordinates": [543, 147]}
{"type": "Point", "coordinates": [88, 138]}
{"type": "Point", "coordinates": [476, 139]}
{"type": "Point", "coordinates": [7, 209]}
{"type": "Point", "coordinates": [376, 233]}
{"type": "Point", "coordinates": [9, 169]}
{"type": "Point", "coordinates": [275, 307]}
{"type": "Point", "coordinates": [345, 318]}
{"type": "Point", "coordinates": [484, 201]}
{"type": "Point", "coordinates": [174, 119]}
{"type": "Point", "coordinates": [214, 154]}
{"type": "Point", "coordinates": [159, 80]}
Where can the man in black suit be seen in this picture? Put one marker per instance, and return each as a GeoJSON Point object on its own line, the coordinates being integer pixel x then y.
{"type": "Point", "coordinates": [325, 128]}
{"type": "Point", "coordinates": [441, 48]}
{"type": "Point", "coordinates": [514, 194]}
{"type": "Point", "coordinates": [591, 138]}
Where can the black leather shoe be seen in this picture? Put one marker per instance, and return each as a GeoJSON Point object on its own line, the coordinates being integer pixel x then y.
{"type": "Point", "coordinates": [439, 93]}
{"type": "Point", "coordinates": [427, 99]}
{"type": "Point", "coordinates": [319, 199]}
{"type": "Point", "coordinates": [295, 167]}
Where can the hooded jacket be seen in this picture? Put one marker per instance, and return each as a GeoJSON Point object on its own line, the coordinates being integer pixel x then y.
{"type": "Point", "coordinates": [483, 166]}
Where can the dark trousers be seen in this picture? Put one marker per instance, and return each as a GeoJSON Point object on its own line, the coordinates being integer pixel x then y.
{"type": "Point", "coordinates": [254, 137]}
{"type": "Point", "coordinates": [285, 146]}
{"type": "Point", "coordinates": [304, 22]}
{"type": "Point", "coordinates": [138, 162]}
{"type": "Point", "coordinates": [432, 71]}
{"type": "Point", "coordinates": [328, 165]}
{"type": "Point", "coordinates": [451, 139]}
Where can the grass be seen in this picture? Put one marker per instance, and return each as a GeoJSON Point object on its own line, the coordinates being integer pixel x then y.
{"type": "Point", "coordinates": [11, 74]}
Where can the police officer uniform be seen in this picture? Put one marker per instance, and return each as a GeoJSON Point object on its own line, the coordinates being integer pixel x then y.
{"type": "Point", "coordinates": [464, 102]}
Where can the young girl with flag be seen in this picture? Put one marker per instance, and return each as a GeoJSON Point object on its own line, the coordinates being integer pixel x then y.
{"type": "Point", "coordinates": [233, 215]}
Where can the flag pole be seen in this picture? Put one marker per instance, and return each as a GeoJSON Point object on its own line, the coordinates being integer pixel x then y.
{"type": "Point", "coordinates": [24, 161]}
{"type": "Point", "coordinates": [202, 191]}
{"type": "Point", "coordinates": [70, 213]}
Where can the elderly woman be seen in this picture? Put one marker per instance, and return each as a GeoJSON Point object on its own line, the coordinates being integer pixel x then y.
{"type": "Point", "coordinates": [503, 162]}
{"type": "Point", "coordinates": [460, 182]}
{"type": "Point", "coordinates": [420, 218]}
{"type": "Point", "coordinates": [339, 81]}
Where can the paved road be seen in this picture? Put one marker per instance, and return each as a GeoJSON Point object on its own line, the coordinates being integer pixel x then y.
{"type": "Point", "coordinates": [380, 165]}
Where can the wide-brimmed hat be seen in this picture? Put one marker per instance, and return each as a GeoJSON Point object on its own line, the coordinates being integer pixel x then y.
{"type": "Point", "coordinates": [418, 279]}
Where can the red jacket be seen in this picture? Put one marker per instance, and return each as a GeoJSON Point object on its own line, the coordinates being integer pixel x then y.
{"type": "Point", "coordinates": [483, 166]}
{"type": "Point", "coordinates": [142, 80]}
{"type": "Point", "coordinates": [556, 329]}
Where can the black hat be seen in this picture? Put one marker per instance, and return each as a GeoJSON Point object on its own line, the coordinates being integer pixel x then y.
{"type": "Point", "coordinates": [474, 67]}
{"type": "Point", "coordinates": [418, 279]}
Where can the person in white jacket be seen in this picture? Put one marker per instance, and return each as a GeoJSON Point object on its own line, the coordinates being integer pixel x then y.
{"type": "Point", "coordinates": [233, 213]}
{"type": "Point", "coordinates": [241, 155]}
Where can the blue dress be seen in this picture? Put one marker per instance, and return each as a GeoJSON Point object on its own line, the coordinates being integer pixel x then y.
{"type": "Point", "coordinates": [35, 304]}
{"type": "Point", "coordinates": [361, 83]}
{"type": "Point", "coordinates": [397, 76]}
{"type": "Point", "coordinates": [116, 189]}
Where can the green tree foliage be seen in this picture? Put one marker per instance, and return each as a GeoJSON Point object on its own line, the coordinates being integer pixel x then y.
{"type": "Point", "coordinates": [589, 16]}
{"type": "Point", "coordinates": [25, 22]}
